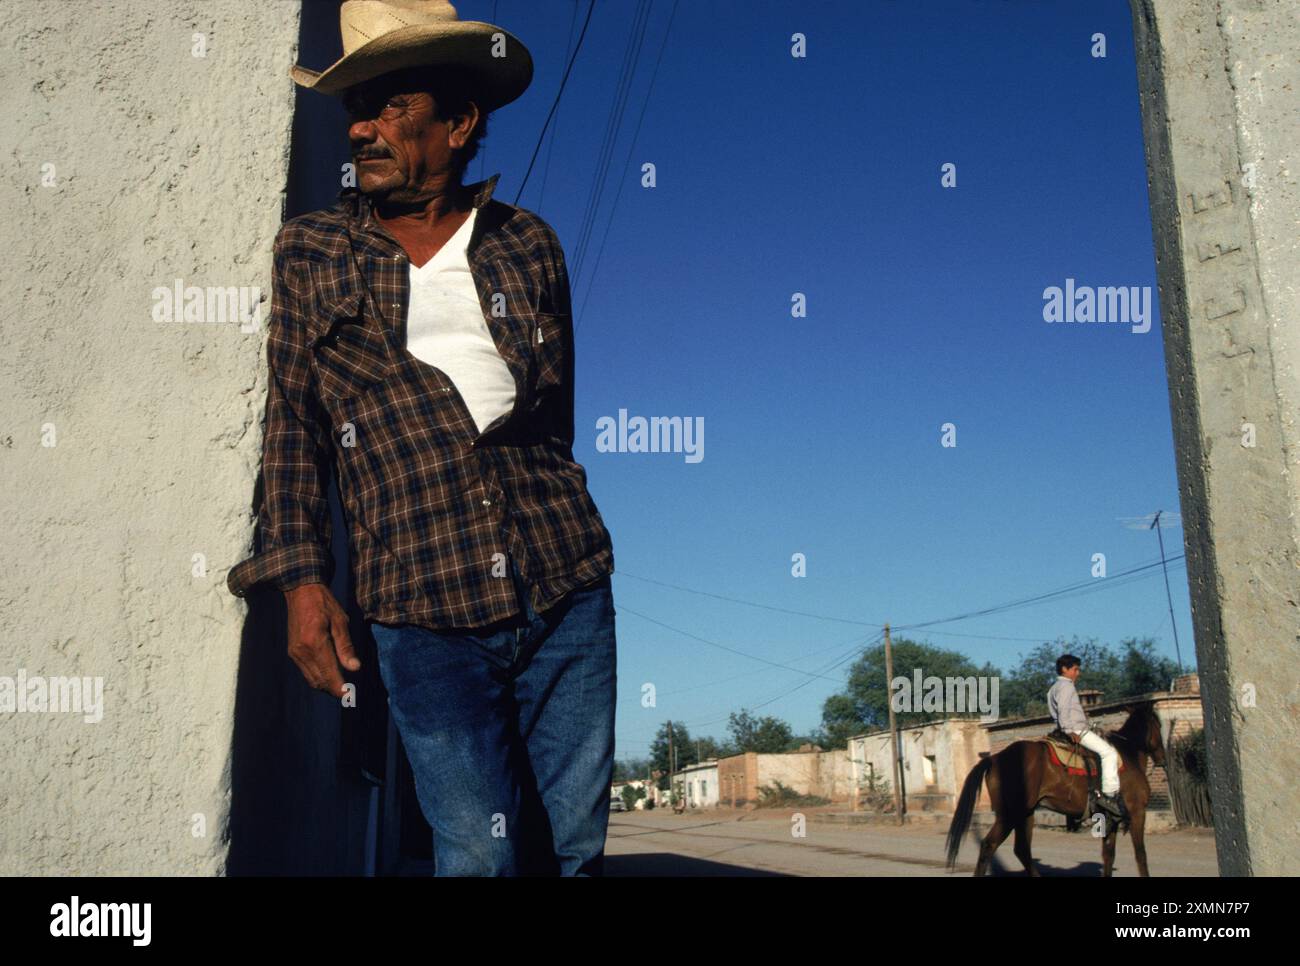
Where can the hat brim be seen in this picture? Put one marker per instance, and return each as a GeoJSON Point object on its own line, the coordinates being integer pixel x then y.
{"type": "Point", "coordinates": [466, 44]}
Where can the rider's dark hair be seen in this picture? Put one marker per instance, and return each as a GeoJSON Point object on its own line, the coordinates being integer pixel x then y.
{"type": "Point", "coordinates": [1066, 661]}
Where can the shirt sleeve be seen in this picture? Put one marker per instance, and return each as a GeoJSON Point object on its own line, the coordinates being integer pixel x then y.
{"type": "Point", "coordinates": [558, 282]}
{"type": "Point", "coordinates": [293, 514]}
{"type": "Point", "coordinates": [560, 300]}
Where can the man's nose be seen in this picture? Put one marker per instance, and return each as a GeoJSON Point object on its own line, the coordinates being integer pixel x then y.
{"type": "Point", "coordinates": [361, 133]}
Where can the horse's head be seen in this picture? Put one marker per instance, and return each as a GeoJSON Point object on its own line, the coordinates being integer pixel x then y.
{"type": "Point", "coordinates": [1154, 742]}
{"type": "Point", "coordinates": [1142, 732]}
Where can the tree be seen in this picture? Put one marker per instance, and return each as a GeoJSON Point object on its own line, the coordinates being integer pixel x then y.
{"type": "Point", "coordinates": [632, 768]}
{"type": "Point", "coordinates": [841, 720]}
{"type": "Point", "coordinates": [682, 745]}
{"type": "Point", "coordinates": [707, 748]}
{"type": "Point", "coordinates": [1143, 670]}
{"type": "Point", "coordinates": [1134, 669]}
{"type": "Point", "coordinates": [1024, 689]}
{"type": "Point", "coordinates": [864, 705]}
{"type": "Point", "coordinates": [764, 735]}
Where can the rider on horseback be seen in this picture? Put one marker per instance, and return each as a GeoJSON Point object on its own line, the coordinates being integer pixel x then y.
{"type": "Point", "coordinates": [1064, 705]}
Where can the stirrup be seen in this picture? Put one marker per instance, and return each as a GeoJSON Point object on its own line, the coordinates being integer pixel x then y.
{"type": "Point", "coordinates": [1112, 805]}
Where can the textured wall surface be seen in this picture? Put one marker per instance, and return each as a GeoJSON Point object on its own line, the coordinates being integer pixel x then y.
{"type": "Point", "coordinates": [131, 163]}
{"type": "Point", "coordinates": [1218, 82]}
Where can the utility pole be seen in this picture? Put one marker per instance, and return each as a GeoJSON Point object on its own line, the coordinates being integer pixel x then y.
{"type": "Point", "coordinates": [1155, 525]}
{"type": "Point", "coordinates": [672, 787]}
{"type": "Point", "coordinates": [893, 730]}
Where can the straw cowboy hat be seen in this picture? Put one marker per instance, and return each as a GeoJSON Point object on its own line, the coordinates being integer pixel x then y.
{"type": "Point", "coordinates": [380, 36]}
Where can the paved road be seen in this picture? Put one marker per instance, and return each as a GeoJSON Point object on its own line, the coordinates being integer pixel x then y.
{"type": "Point", "coordinates": [738, 843]}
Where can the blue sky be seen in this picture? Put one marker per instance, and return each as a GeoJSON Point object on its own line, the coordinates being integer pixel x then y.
{"type": "Point", "coordinates": [821, 175]}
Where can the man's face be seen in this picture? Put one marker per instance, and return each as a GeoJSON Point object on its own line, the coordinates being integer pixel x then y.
{"type": "Point", "coordinates": [401, 150]}
{"type": "Point", "coordinates": [1072, 672]}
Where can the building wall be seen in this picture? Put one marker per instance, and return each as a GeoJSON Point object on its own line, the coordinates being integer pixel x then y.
{"type": "Point", "coordinates": [738, 778]}
{"type": "Point", "coordinates": [131, 163]}
{"type": "Point", "coordinates": [952, 747]}
{"type": "Point", "coordinates": [797, 770]}
{"type": "Point", "coordinates": [835, 775]}
{"type": "Point", "coordinates": [701, 786]}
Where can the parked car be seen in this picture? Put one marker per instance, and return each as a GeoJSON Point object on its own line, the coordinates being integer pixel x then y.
{"type": "Point", "coordinates": [616, 804]}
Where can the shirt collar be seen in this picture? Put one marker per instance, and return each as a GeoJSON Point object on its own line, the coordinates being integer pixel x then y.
{"type": "Point", "coordinates": [362, 213]}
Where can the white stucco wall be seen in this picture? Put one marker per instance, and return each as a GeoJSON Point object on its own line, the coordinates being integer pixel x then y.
{"type": "Point", "coordinates": [160, 165]}
{"type": "Point", "coordinates": [955, 746]}
{"type": "Point", "coordinates": [701, 785]}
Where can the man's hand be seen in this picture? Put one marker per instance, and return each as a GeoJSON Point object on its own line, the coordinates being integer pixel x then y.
{"type": "Point", "coordinates": [318, 637]}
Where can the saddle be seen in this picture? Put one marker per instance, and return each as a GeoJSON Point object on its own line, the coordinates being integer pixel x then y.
{"type": "Point", "coordinates": [1066, 753]}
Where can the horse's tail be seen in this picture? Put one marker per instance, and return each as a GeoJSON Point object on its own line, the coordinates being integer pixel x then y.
{"type": "Point", "coordinates": [965, 808]}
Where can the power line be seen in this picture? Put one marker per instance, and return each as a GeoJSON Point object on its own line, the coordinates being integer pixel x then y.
{"type": "Point", "coordinates": [994, 637]}
{"type": "Point", "coordinates": [631, 57]}
{"type": "Point", "coordinates": [558, 94]}
{"type": "Point", "coordinates": [877, 637]}
{"type": "Point", "coordinates": [871, 642]}
{"type": "Point", "coordinates": [1076, 589]}
{"type": "Point", "coordinates": [749, 603]}
{"type": "Point", "coordinates": [735, 677]}
{"type": "Point", "coordinates": [482, 158]}
{"type": "Point", "coordinates": [591, 280]}
{"type": "Point", "coordinates": [703, 640]}
{"type": "Point", "coordinates": [550, 147]}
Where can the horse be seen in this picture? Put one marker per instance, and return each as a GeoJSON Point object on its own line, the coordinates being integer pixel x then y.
{"type": "Point", "coordinates": [1021, 777]}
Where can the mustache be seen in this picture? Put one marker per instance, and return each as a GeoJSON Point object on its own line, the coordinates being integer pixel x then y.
{"type": "Point", "coordinates": [367, 155]}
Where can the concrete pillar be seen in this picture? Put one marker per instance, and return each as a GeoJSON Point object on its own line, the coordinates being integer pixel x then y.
{"type": "Point", "coordinates": [1217, 81]}
{"type": "Point", "coordinates": [137, 153]}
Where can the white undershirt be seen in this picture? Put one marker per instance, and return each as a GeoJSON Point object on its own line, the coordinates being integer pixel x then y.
{"type": "Point", "coordinates": [446, 329]}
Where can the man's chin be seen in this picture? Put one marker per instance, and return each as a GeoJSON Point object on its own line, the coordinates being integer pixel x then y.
{"type": "Point", "coordinates": [377, 188]}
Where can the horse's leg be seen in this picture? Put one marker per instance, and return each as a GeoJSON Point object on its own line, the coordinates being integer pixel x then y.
{"type": "Point", "coordinates": [997, 835]}
{"type": "Point", "coordinates": [1024, 835]}
{"type": "Point", "coordinates": [1137, 829]}
{"type": "Point", "coordinates": [1108, 847]}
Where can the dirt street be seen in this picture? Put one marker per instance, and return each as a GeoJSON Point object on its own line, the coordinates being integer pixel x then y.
{"type": "Point", "coordinates": [715, 842]}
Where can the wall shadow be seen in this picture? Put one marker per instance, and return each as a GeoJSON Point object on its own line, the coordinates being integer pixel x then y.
{"type": "Point", "coordinates": [308, 777]}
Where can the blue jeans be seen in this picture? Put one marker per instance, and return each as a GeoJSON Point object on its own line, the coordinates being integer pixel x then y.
{"type": "Point", "coordinates": [510, 734]}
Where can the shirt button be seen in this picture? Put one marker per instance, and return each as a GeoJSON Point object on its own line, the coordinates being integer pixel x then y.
{"type": "Point", "coordinates": [487, 502]}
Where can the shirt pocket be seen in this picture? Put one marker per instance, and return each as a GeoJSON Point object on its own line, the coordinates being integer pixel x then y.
{"type": "Point", "coordinates": [349, 350]}
{"type": "Point", "coordinates": [551, 344]}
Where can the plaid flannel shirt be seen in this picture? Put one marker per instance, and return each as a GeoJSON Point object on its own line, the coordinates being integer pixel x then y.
{"type": "Point", "coordinates": [433, 505]}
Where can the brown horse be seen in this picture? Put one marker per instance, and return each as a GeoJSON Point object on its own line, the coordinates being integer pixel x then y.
{"type": "Point", "coordinates": [1021, 777]}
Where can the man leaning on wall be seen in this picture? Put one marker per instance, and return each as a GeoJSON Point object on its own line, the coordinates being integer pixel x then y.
{"type": "Point", "coordinates": [421, 341]}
